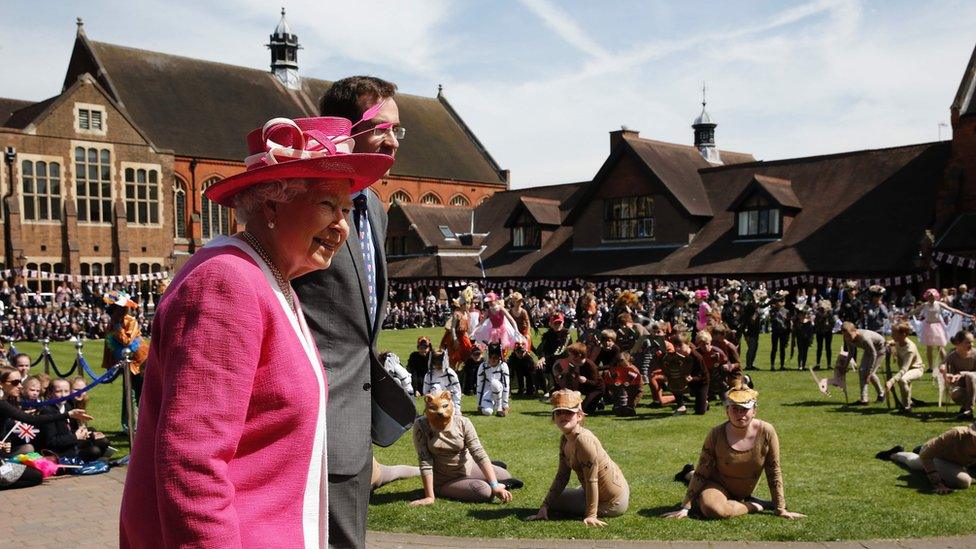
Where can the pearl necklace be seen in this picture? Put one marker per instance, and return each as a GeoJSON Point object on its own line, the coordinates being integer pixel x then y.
{"type": "Point", "coordinates": [282, 283]}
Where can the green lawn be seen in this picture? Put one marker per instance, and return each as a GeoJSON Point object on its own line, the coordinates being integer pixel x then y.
{"type": "Point", "coordinates": [828, 463]}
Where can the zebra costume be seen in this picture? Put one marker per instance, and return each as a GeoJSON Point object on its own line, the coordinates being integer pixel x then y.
{"type": "Point", "coordinates": [493, 388]}
{"type": "Point", "coordinates": [443, 378]}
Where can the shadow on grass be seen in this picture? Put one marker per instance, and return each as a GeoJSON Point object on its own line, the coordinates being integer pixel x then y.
{"type": "Point", "coordinates": [814, 404]}
{"type": "Point", "coordinates": [914, 481]}
{"type": "Point", "coordinates": [656, 512]}
{"type": "Point", "coordinates": [385, 498]}
{"type": "Point", "coordinates": [501, 512]}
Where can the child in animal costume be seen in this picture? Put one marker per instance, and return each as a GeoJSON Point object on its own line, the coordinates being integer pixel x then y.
{"type": "Point", "coordinates": [498, 325]}
{"type": "Point", "coordinates": [946, 459]}
{"type": "Point", "coordinates": [603, 490]}
{"type": "Point", "coordinates": [456, 339]}
{"type": "Point", "coordinates": [624, 386]}
{"type": "Point", "coordinates": [494, 387]}
{"type": "Point", "coordinates": [453, 464]}
{"type": "Point", "coordinates": [440, 376]}
{"type": "Point", "coordinates": [391, 363]}
{"type": "Point", "coordinates": [124, 334]}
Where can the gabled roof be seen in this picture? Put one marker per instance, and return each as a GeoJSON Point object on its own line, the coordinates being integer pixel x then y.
{"type": "Point", "coordinates": [544, 211]}
{"type": "Point", "coordinates": [26, 115]}
{"type": "Point", "coordinates": [9, 106]}
{"type": "Point", "coordinates": [778, 190]}
{"type": "Point", "coordinates": [851, 201]}
{"type": "Point", "coordinates": [965, 99]}
{"type": "Point", "coordinates": [676, 166]}
{"type": "Point", "coordinates": [205, 109]}
{"type": "Point", "coordinates": [427, 220]}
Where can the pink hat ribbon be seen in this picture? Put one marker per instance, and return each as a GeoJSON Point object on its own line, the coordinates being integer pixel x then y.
{"type": "Point", "coordinates": [283, 140]}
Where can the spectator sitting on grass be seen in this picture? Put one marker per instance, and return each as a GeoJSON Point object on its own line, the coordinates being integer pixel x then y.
{"type": "Point", "coordinates": [418, 362]}
{"type": "Point", "coordinates": [10, 382]}
{"type": "Point", "coordinates": [30, 391]}
{"type": "Point", "coordinates": [70, 438]}
{"type": "Point", "coordinates": [578, 373]}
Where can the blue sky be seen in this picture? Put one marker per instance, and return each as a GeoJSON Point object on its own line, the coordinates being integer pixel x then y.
{"type": "Point", "coordinates": [542, 82]}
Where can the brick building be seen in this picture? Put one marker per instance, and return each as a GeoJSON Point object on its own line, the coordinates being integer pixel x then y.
{"type": "Point", "coordinates": [107, 177]}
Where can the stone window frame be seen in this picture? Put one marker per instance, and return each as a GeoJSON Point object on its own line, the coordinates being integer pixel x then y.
{"type": "Point", "coordinates": [90, 108]}
{"type": "Point", "coordinates": [63, 184]}
{"type": "Point", "coordinates": [160, 202]}
{"type": "Point", "coordinates": [462, 203]}
{"type": "Point", "coordinates": [47, 264]}
{"type": "Point", "coordinates": [112, 180]}
{"type": "Point", "coordinates": [400, 192]}
{"type": "Point", "coordinates": [223, 212]}
{"type": "Point", "coordinates": [179, 188]}
{"type": "Point", "coordinates": [617, 219]}
{"type": "Point", "coordinates": [104, 263]}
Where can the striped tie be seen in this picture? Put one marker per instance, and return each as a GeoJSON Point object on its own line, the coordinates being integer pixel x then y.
{"type": "Point", "coordinates": [366, 243]}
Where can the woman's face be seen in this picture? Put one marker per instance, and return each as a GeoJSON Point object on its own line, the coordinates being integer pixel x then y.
{"type": "Point", "coordinates": [310, 229]}
{"type": "Point", "coordinates": [740, 417]}
{"type": "Point", "coordinates": [567, 420]}
{"type": "Point", "coordinates": [32, 389]}
{"type": "Point", "coordinates": [60, 389]}
{"type": "Point", "coordinates": [11, 386]}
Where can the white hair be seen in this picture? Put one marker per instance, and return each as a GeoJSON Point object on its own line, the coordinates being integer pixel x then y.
{"type": "Point", "coordinates": [247, 203]}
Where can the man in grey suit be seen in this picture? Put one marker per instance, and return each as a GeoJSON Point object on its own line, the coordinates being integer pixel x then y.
{"type": "Point", "coordinates": [344, 307]}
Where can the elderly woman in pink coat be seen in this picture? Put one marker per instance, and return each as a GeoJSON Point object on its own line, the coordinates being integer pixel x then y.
{"type": "Point", "coordinates": [230, 445]}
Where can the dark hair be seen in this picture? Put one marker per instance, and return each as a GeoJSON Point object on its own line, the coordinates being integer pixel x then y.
{"type": "Point", "coordinates": [351, 96]}
{"type": "Point", "coordinates": [13, 359]}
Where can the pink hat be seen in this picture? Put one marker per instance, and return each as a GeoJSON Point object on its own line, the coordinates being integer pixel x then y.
{"type": "Point", "coordinates": [303, 148]}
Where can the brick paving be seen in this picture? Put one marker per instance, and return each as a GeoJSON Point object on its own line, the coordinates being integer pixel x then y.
{"type": "Point", "coordinates": [82, 512]}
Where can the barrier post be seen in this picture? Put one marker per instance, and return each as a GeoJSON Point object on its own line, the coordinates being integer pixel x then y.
{"type": "Point", "coordinates": [46, 343]}
{"type": "Point", "coordinates": [127, 394]}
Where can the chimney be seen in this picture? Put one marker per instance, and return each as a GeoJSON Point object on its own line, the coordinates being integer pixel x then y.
{"type": "Point", "coordinates": [617, 136]}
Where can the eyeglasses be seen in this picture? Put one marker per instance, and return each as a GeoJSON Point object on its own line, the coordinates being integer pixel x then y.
{"type": "Point", "coordinates": [13, 382]}
{"type": "Point", "coordinates": [398, 131]}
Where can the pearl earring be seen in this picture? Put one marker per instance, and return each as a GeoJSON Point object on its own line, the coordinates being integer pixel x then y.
{"type": "Point", "coordinates": [271, 224]}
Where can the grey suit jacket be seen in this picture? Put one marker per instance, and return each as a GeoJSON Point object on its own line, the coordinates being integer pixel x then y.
{"type": "Point", "coordinates": [335, 305]}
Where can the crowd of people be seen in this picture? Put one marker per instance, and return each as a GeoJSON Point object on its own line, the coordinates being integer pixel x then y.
{"type": "Point", "coordinates": [71, 310]}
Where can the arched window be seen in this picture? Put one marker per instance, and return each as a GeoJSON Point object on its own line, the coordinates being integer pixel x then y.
{"type": "Point", "coordinates": [400, 196]}
{"type": "Point", "coordinates": [214, 217]}
{"type": "Point", "coordinates": [430, 199]}
{"type": "Point", "coordinates": [460, 200]}
{"type": "Point", "coordinates": [179, 208]}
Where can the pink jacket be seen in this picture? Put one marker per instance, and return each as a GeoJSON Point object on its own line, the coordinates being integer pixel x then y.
{"type": "Point", "coordinates": [230, 444]}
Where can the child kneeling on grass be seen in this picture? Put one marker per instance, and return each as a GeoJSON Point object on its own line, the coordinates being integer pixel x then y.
{"type": "Point", "coordinates": [945, 459]}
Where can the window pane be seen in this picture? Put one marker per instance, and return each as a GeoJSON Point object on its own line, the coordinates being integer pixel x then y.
{"type": "Point", "coordinates": [80, 172]}
{"type": "Point", "coordinates": [152, 176]}
{"type": "Point", "coordinates": [141, 192]}
{"type": "Point", "coordinates": [96, 117]}
{"type": "Point", "coordinates": [79, 154]}
{"type": "Point", "coordinates": [27, 167]}
{"type": "Point", "coordinates": [83, 119]}
{"type": "Point", "coordinates": [774, 221]}
{"type": "Point", "coordinates": [92, 172]}
{"type": "Point", "coordinates": [29, 209]}
{"type": "Point", "coordinates": [106, 172]}
{"type": "Point", "coordinates": [55, 185]}
{"type": "Point", "coordinates": [130, 192]}
{"type": "Point", "coordinates": [106, 158]}
{"type": "Point", "coordinates": [143, 213]}
{"type": "Point", "coordinates": [106, 211]}
{"type": "Point", "coordinates": [42, 209]}
{"type": "Point", "coordinates": [763, 222]}
{"type": "Point", "coordinates": [92, 156]}
{"type": "Point", "coordinates": [130, 175]}
{"type": "Point", "coordinates": [28, 185]}
{"type": "Point", "coordinates": [56, 208]}
{"type": "Point", "coordinates": [154, 213]}
{"type": "Point", "coordinates": [753, 222]}
{"type": "Point", "coordinates": [130, 212]}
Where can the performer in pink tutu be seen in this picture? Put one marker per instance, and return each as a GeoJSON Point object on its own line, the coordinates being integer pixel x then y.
{"type": "Point", "coordinates": [498, 325]}
{"type": "Point", "coordinates": [704, 310]}
{"type": "Point", "coordinates": [933, 334]}
{"type": "Point", "coordinates": [243, 462]}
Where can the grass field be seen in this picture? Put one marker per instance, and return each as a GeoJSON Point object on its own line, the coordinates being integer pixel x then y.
{"type": "Point", "coordinates": [827, 458]}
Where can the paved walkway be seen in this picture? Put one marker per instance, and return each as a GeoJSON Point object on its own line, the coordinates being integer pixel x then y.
{"type": "Point", "coordinates": [82, 512]}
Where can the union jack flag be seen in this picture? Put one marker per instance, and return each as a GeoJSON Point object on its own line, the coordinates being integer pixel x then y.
{"type": "Point", "coordinates": [25, 431]}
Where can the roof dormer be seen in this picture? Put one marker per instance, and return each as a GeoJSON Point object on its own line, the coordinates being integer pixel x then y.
{"type": "Point", "coordinates": [765, 208]}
